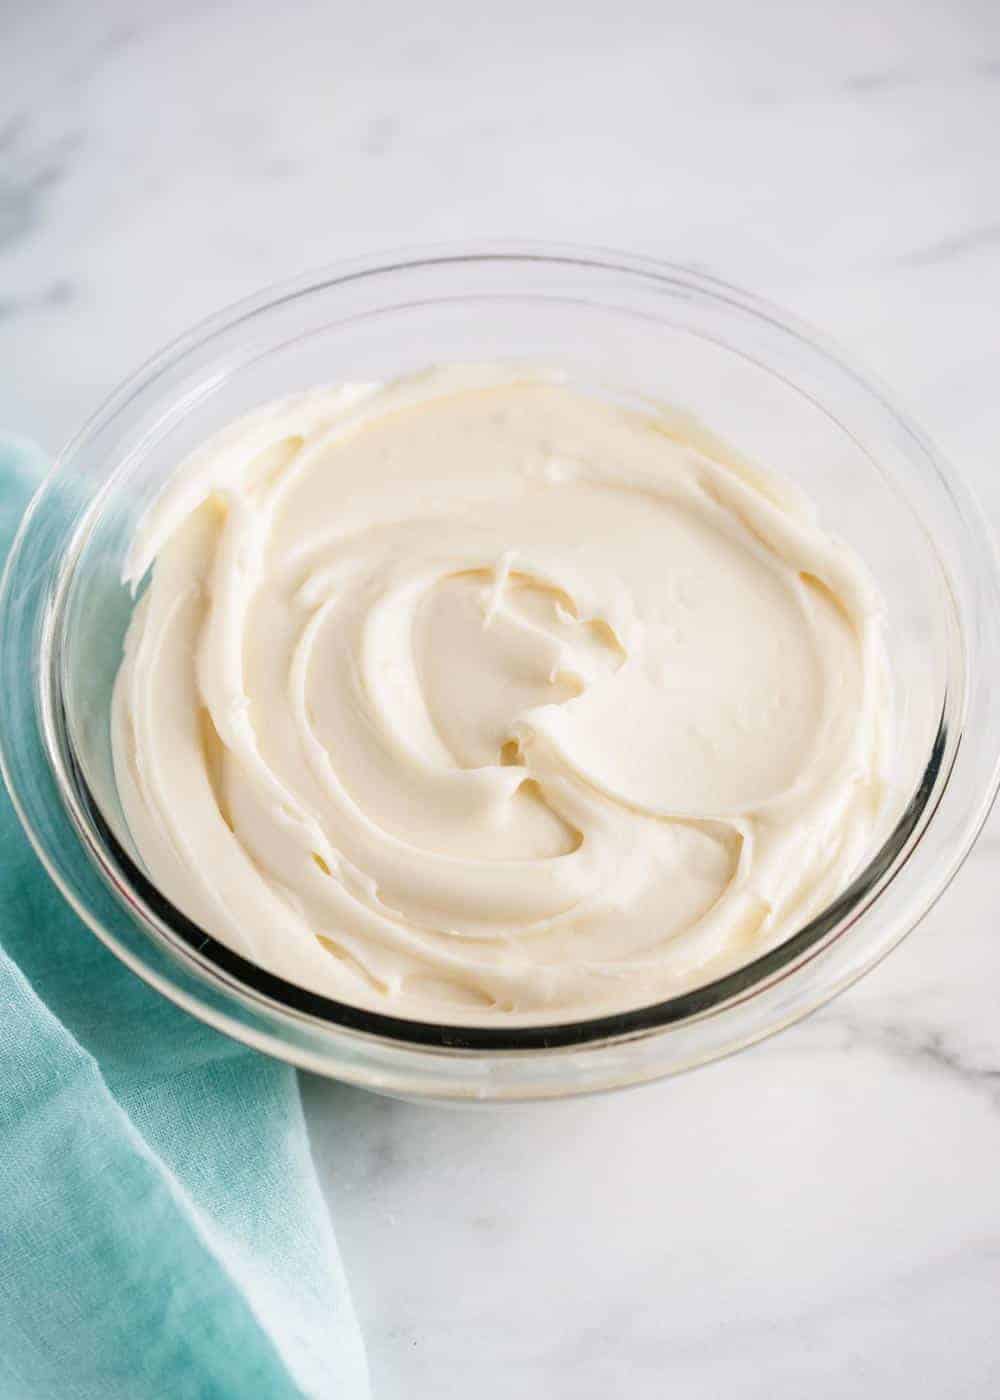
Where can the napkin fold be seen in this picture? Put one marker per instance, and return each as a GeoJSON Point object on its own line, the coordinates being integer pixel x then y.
{"type": "Point", "coordinates": [162, 1230]}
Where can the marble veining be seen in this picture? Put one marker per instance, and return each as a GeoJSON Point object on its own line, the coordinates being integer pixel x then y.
{"type": "Point", "coordinates": [28, 177]}
{"type": "Point", "coordinates": [916, 1045]}
{"type": "Point", "coordinates": [973, 240]}
{"type": "Point", "coordinates": [819, 1215]}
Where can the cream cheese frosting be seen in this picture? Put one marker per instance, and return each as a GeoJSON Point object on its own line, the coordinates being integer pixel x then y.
{"type": "Point", "coordinates": [477, 697]}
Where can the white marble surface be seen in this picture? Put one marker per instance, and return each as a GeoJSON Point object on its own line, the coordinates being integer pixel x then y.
{"type": "Point", "coordinates": [821, 1215]}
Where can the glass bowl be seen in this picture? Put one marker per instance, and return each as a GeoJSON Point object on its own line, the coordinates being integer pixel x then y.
{"type": "Point", "coordinates": [775, 390]}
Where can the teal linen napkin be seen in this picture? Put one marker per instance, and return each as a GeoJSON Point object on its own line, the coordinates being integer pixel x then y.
{"type": "Point", "coordinates": [162, 1231]}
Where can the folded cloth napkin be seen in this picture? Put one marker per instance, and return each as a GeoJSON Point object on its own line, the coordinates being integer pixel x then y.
{"type": "Point", "coordinates": [162, 1231]}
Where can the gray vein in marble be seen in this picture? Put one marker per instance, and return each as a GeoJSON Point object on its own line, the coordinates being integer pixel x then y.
{"type": "Point", "coordinates": [888, 80]}
{"type": "Point", "coordinates": [28, 179]}
{"type": "Point", "coordinates": [118, 37]}
{"type": "Point", "coordinates": [105, 49]}
{"type": "Point", "coordinates": [123, 35]}
{"type": "Point", "coordinates": [10, 131]}
{"type": "Point", "coordinates": [879, 80]}
{"type": "Point", "coordinates": [59, 293]}
{"type": "Point", "coordinates": [918, 1046]}
{"type": "Point", "coordinates": [876, 82]}
{"type": "Point", "coordinates": [974, 240]}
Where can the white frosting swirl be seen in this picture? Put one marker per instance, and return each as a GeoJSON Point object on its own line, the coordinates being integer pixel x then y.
{"type": "Point", "coordinates": [473, 697]}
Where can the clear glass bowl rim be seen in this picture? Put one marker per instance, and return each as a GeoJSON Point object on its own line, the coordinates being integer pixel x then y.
{"type": "Point", "coordinates": [401, 1055]}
